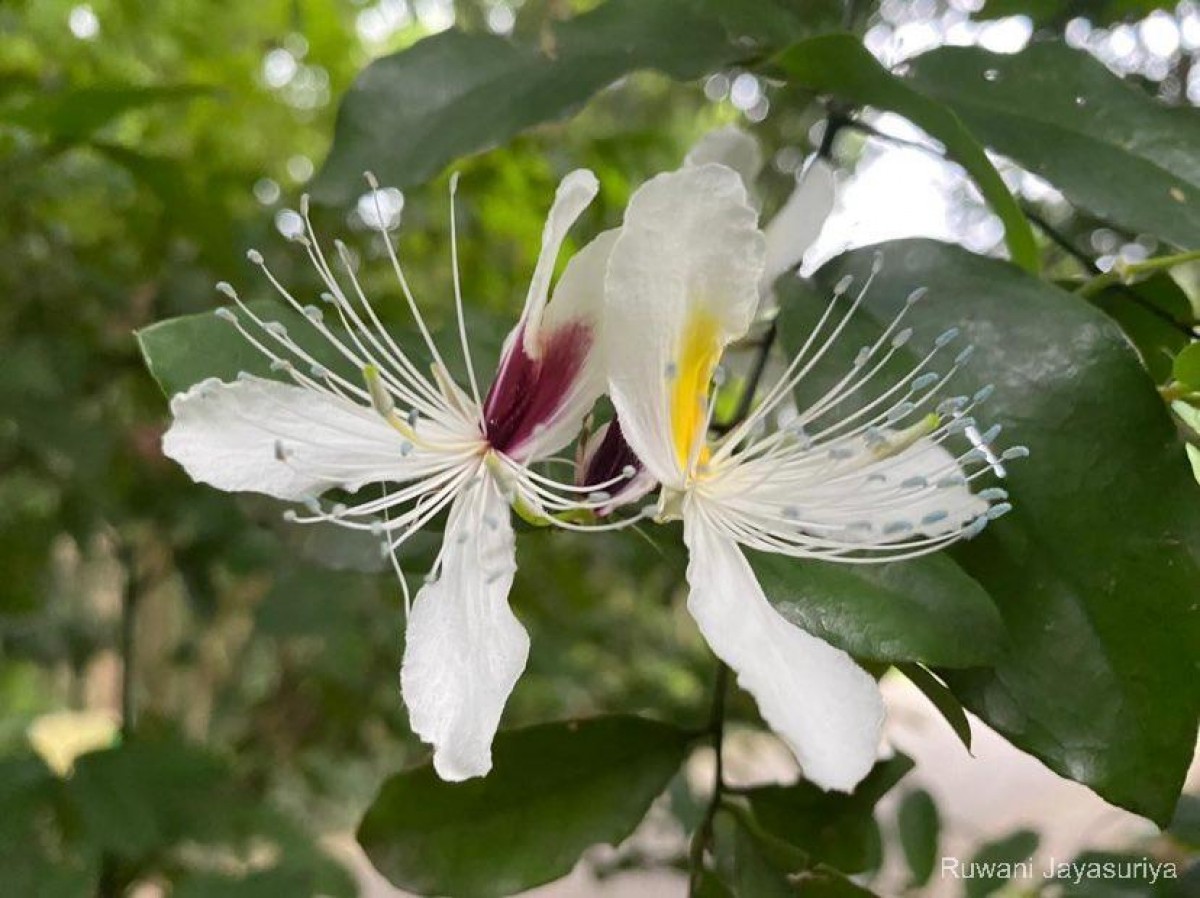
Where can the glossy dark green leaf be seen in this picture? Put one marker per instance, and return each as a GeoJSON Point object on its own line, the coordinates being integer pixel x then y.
{"type": "Point", "coordinates": [555, 789]}
{"type": "Point", "coordinates": [925, 610]}
{"type": "Point", "coordinates": [1155, 315]}
{"type": "Point", "coordinates": [838, 64]}
{"type": "Point", "coordinates": [942, 698]}
{"type": "Point", "coordinates": [410, 114]}
{"type": "Point", "coordinates": [1099, 675]}
{"type": "Point", "coordinates": [1186, 369]}
{"type": "Point", "coordinates": [919, 826]}
{"type": "Point", "coordinates": [830, 827]}
{"type": "Point", "coordinates": [994, 864]}
{"type": "Point", "coordinates": [1058, 12]}
{"type": "Point", "coordinates": [1106, 144]}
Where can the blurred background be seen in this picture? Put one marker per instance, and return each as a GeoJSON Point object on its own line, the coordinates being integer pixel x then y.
{"type": "Point", "coordinates": [143, 149]}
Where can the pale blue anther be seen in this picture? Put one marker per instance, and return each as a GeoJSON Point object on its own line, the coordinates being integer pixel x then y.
{"type": "Point", "coordinates": [1014, 452]}
{"type": "Point", "coordinates": [946, 336]}
{"type": "Point", "coordinates": [983, 394]}
{"type": "Point", "coordinates": [993, 494]}
{"type": "Point", "coordinates": [917, 295]}
{"type": "Point", "coordinates": [928, 379]}
{"type": "Point", "coordinates": [951, 405]}
{"type": "Point", "coordinates": [935, 517]}
{"type": "Point", "coordinates": [998, 510]}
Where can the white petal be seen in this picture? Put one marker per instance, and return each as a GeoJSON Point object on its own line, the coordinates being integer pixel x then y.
{"type": "Point", "coordinates": [573, 317]}
{"type": "Point", "coordinates": [682, 282]}
{"type": "Point", "coordinates": [575, 193]}
{"type": "Point", "coordinates": [262, 436]}
{"type": "Point", "coordinates": [798, 224]}
{"type": "Point", "coordinates": [823, 705]}
{"type": "Point", "coordinates": [732, 147]}
{"type": "Point", "coordinates": [464, 647]}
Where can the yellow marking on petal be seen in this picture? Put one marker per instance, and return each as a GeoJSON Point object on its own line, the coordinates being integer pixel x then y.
{"type": "Point", "coordinates": [699, 352]}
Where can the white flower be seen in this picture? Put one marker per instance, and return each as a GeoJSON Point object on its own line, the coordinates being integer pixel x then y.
{"type": "Point", "coordinates": [442, 446]}
{"type": "Point", "coordinates": [684, 280]}
{"type": "Point", "coordinates": [798, 223]}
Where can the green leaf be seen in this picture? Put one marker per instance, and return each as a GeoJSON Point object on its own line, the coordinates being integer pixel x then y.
{"type": "Point", "coordinates": [1095, 571]}
{"type": "Point", "coordinates": [145, 796]}
{"type": "Point", "coordinates": [1185, 826]}
{"type": "Point", "coordinates": [771, 23]}
{"type": "Point", "coordinates": [831, 827]}
{"type": "Point", "coordinates": [1154, 314]}
{"type": "Point", "coordinates": [994, 862]}
{"type": "Point", "coordinates": [184, 351]}
{"type": "Point", "coordinates": [710, 886]}
{"type": "Point", "coordinates": [838, 64]}
{"type": "Point", "coordinates": [1056, 13]}
{"type": "Point", "coordinates": [1186, 369]}
{"type": "Point", "coordinates": [924, 610]}
{"type": "Point", "coordinates": [1107, 145]}
{"type": "Point", "coordinates": [942, 698]}
{"type": "Point", "coordinates": [825, 882]}
{"type": "Point", "coordinates": [555, 789]}
{"type": "Point", "coordinates": [754, 873]}
{"type": "Point", "coordinates": [919, 827]}
{"type": "Point", "coordinates": [410, 114]}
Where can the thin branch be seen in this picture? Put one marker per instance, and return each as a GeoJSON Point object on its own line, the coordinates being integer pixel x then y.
{"type": "Point", "coordinates": [703, 836]}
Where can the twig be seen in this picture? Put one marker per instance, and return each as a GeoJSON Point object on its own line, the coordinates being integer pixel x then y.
{"type": "Point", "coordinates": [110, 883]}
{"type": "Point", "coordinates": [1067, 246]}
{"type": "Point", "coordinates": [703, 836]}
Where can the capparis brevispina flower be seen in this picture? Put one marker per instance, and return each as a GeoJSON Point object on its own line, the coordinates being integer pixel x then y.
{"type": "Point", "coordinates": [430, 445]}
{"type": "Point", "coordinates": [878, 483]}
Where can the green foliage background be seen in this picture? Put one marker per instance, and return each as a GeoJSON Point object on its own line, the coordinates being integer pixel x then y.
{"type": "Point", "coordinates": [138, 164]}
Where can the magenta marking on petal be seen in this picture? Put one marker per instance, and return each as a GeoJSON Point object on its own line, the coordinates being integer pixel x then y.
{"type": "Point", "coordinates": [610, 460]}
{"type": "Point", "coordinates": [527, 393]}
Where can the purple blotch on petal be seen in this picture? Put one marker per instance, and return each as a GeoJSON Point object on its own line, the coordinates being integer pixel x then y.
{"type": "Point", "coordinates": [527, 393]}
